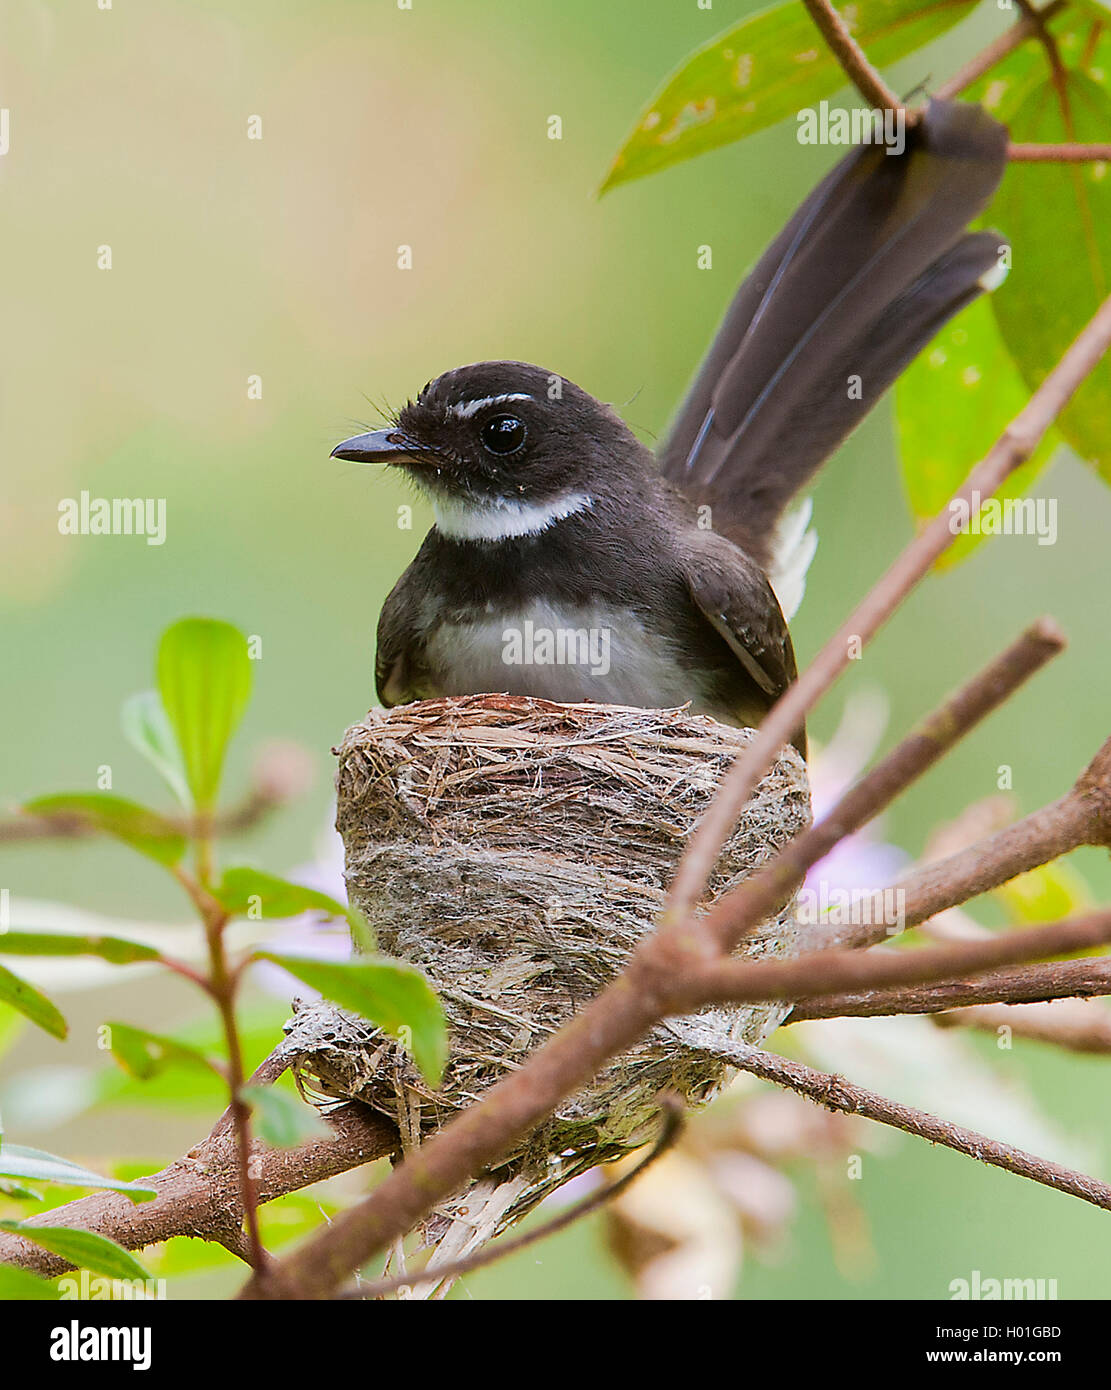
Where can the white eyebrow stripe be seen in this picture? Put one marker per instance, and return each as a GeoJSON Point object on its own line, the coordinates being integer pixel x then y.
{"type": "Point", "coordinates": [503, 518]}
{"type": "Point", "coordinates": [465, 409]}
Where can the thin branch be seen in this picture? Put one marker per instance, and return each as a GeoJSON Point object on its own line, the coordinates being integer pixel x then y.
{"type": "Point", "coordinates": [853, 59]}
{"type": "Point", "coordinates": [996, 51]}
{"type": "Point", "coordinates": [1016, 445]}
{"type": "Point", "coordinates": [831, 972]}
{"type": "Point", "coordinates": [1070, 153]}
{"type": "Point", "coordinates": [1081, 817]}
{"type": "Point", "coordinates": [1072, 1024]}
{"type": "Point", "coordinates": [1076, 1027]}
{"type": "Point", "coordinates": [835, 1093]}
{"type": "Point", "coordinates": [763, 892]}
{"type": "Point", "coordinates": [1071, 979]}
{"type": "Point", "coordinates": [281, 772]}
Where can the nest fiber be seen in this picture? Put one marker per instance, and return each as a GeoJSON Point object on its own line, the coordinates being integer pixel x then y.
{"type": "Point", "coordinates": [517, 851]}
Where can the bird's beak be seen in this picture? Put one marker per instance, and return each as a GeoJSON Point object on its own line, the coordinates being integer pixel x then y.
{"type": "Point", "coordinates": [379, 446]}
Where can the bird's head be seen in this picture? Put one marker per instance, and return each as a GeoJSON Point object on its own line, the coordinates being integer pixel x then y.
{"type": "Point", "coordinates": [502, 437]}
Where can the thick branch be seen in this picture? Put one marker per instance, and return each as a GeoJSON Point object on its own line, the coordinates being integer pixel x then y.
{"type": "Point", "coordinates": [198, 1195]}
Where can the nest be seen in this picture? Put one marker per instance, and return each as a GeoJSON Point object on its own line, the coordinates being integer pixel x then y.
{"type": "Point", "coordinates": [517, 851]}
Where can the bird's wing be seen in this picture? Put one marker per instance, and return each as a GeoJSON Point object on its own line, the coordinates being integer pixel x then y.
{"type": "Point", "coordinates": [865, 273]}
{"type": "Point", "coordinates": [737, 601]}
{"type": "Point", "coordinates": [394, 676]}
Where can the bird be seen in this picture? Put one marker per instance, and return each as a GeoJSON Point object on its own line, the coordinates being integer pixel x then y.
{"type": "Point", "coordinates": [569, 562]}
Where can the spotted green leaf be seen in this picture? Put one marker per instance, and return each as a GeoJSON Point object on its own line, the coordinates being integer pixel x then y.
{"type": "Point", "coordinates": [951, 404]}
{"type": "Point", "coordinates": [1058, 220]}
{"type": "Point", "coordinates": [770, 66]}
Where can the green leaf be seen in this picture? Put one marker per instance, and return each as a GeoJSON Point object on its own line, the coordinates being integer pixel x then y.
{"type": "Point", "coordinates": [146, 727]}
{"type": "Point", "coordinates": [769, 66]}
{"type": "Point", "coordinates": [284, 1120]}
{"type": "Point", "coordinates": [247, 892]}
{"type": "Point", "coordinates": [18, 1286]}
{"type": "Point", "coordinates": [144, 830]}
{"type": "Point", "coordinates": [17, 1161]}
{"type": "Point", "coordinates": [113, 949]}
{"type": "Point", "coordinates": [1057, 218]}
{"type": "Point", "coordinates": [204, 675]}
{"type": "Point", "coordinates": [16, 1192]}
{"type": "Point", "coordinates": [951, 404]}
{"type": "Point", "coordinates": [395, 996]}
{"type": "Point", "coordinates": [31, 1003]}
{"type": "Point", "coordinates": [84, 1249]}
{"type": "Point", "coordinates": [145, 1055]}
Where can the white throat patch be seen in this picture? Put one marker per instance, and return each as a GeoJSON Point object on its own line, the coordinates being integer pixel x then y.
{"type": "Point", "coordinates": [502, 518]}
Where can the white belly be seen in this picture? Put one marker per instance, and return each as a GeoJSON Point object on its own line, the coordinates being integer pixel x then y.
{"type": "Point", "coordinates": [592, 653]}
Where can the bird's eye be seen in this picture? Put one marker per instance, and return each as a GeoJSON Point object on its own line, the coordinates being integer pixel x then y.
{"type": "Point", "coordinates": [504, 434]}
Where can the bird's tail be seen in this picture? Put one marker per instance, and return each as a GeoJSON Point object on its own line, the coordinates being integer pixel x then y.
{"type": "Point", "coordinates": [869, 268]}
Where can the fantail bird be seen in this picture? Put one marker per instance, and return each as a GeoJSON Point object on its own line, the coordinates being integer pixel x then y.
{"type": "Point", "coordinates": [644, 580]}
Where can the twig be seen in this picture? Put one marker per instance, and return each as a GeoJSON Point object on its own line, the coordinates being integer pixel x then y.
{"type": "Point", "coordinates": [1015, 445]}
{"type": "Point", "coordinates": [1081, 817]}
{"type": "Point", "coordinates": [1072, 979]}
{"type": "Point", "coordinates": [222, 984]}
{"type": "Point", "coordinates": [853, 59]}
{"type": "Point", "coordinates": [672, 1112]}
{"type": "Point", "coordinates": [831, 972]}
{"type": "Point", "coordinates": [1059, 154]}
{"type": "Point", "coordinates": [996, 51]}
{"type": "Point", "coordinates": [835, 1093]}
{"type": "Point", "coordinates": [766, 889]}
{"type": "Point", "coordinates": [1069, 1024]}
{"type": "Point", "coordinates": [281, 772]}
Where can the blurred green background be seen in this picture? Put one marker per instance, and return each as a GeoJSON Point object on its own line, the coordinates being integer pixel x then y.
{"type": "Point", "coordinates": [278, 257]}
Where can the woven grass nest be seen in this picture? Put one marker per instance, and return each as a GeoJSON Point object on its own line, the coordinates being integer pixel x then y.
{"type": "Point", "coordinates": [517, 850]}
